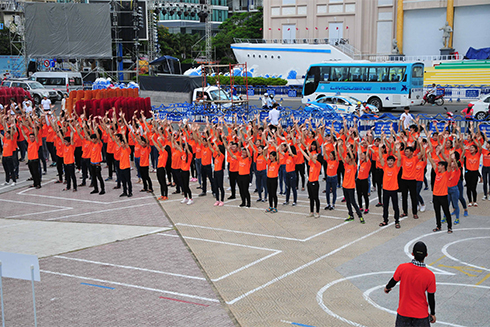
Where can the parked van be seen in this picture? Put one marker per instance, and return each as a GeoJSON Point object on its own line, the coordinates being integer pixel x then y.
{"type": "Point", "coordinates": [62, 82]}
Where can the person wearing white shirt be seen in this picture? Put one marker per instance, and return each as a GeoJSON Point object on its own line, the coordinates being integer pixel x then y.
{"type": "Point", "coordinates": [63, 102]}
{"type": "Point", "coordinates": [46, 104]}
{"type": "Point", "coordinates": [407, 118]}
{"type": "Point", "coordinates": [264, 101]}
{"type": "Point", "coordinates": [432, 93]}
{"type": "Point", "coordinates": [274, 115]}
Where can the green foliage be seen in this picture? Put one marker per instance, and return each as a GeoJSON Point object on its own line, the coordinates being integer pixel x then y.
{"type": "Point", "coordinates": [5, 49]}
{"type": "Point", "coordinates": [253, 81]}
{"type": "Point", "coordinates": [189, 61]}
{"type": "Point", "coordinates": [245, 25]}
{"type": "Point", "coordinates": [179, 45]}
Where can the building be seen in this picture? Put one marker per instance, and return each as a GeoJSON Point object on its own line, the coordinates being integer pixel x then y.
{"type": "Point", "coordinates": [183, 16]}
{"type": "Point", "coordinates": [243, 5]}
{"type": "Point", "coordinates": [370, 26]}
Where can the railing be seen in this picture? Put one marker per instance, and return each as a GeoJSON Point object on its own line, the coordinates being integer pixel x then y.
{"type": "Point", "coordinates": [394, 57]}
{"type": "Point", "coordinates": [335, 42]}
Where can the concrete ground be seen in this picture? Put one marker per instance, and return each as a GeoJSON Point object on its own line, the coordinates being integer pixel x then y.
{"type": "Point", "coordinates": [110, 261]}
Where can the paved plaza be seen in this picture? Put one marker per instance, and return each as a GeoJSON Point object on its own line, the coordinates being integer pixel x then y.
{"type": "Point", "coordinates": [111, 261]}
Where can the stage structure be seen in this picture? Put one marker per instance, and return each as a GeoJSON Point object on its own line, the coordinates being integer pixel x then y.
{"type": "Point", "coordinates": [74, 30]}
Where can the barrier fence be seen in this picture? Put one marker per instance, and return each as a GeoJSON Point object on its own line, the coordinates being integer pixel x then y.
{"type": "Point", "coordinates": [452, 93]}
{"type": "Point", "coordinates": [242, 115]}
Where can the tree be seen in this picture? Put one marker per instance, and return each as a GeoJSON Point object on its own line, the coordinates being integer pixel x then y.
{"type": "Point", "coordinates": [178, 45]}
{"type": "Point", "coordinates": [247, 25]}
{"type": "Point", "coordinates": [5, 49]}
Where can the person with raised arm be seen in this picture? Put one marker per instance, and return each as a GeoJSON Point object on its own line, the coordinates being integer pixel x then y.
{"type": "Point", "coordinates": [390, 182]}
{"type": "Point", "coordinates": [313, 185]}
{"type": "Point", "coordinates": [349, 183]}
{"type": "Point", "coordinates": [332, 164]}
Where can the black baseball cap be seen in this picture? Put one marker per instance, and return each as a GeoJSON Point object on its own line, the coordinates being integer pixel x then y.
{"type": "Point", "coordinates": [419, 249]}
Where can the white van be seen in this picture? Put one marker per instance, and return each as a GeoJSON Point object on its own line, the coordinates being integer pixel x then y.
{"type": "Point", "coordinates": [62, 82]}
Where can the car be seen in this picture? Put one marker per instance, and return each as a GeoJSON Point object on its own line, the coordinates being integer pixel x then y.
{"type": "Point", "coordinates": [61, 82]}
{"type": "Point", "coordinates": [480, 107]}
{"type": "Point", "coordinates": [36, 90]}
{"type": "Point", "coordinates": [340, 104]}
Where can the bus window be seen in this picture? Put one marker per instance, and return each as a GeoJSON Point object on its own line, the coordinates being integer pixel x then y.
{"type": "Point", "coordinates": [396, 74]}
{"type": "Point", "coordinates": [373, 74]}
{"type": "Point", "coordinates": [358, 74]}
{"type": "Point", "coordinates": [340, 74]}
{"type": "Point", "coordinates": [418, 72]}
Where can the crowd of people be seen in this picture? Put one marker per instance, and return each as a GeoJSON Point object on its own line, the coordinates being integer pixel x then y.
{"type": "Point", "coordinates": [282, 160]}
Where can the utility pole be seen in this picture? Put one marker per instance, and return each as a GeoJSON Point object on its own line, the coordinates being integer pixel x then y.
{"type": "Point", "coordinates": [209, 53]}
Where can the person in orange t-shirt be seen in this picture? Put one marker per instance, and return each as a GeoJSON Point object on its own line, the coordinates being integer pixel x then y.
{"type": "Point", "coordinates": [290, 167]}
{"type": "Point", "coordinates": [409, 181]}
{"type": "Point", "coordinates": [185, 152]}
{"type": "Point", "coordinates": [161, 173]}
{"type": "Point", "coordinates": [315, 167]}
{"type": "Point", "coordinates": [124, 164]}
{"type": "Point", "coordinates": [219, 166]}
{"type": "Point", "coordinates": [145, 164]}
{"type": "Point", "coordinates": [362, 185]}
{"type": "Point", "coordinates": [95, 160]}
{"type": "Point", "coordinates": [69, 162]}
{"type": "Point", "coordinates": [272, 179]}
{"type": "Point", "coordinates": [332, 165]}
{"type": "Point", "coordinates": [244, 162]}
{"type": "Point", "coordinates": [390, 183]}
{"type": "Point", "coordinates": [349, 182]}
{"type": "Point", "coordinates": [33, 156]}
{"type": "Point", "coordinates": [440, 193]}
{"type": "Point", "coordinates": [485, 171]}
{"type": "Point", "coordinates": [260, 169]}
{"type": "Point", "coordinates": [9, 146]}
{"type": "Point", "coordinates": [472, 156]}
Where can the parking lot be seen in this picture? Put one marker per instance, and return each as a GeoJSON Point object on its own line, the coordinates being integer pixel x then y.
{"type": "Point", "coordinates": [112, 262]}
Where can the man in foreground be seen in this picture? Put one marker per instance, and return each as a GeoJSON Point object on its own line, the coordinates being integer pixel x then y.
{"type": "Point", "coordinates": [415, 280]}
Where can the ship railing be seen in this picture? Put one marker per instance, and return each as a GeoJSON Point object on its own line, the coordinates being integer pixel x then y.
{"type": "Point", "coordinates": [395, 57]}
{"type": "Point", "coordinates": [335, 42]}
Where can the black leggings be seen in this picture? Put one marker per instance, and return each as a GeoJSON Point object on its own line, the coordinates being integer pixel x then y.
{"type": "Point", "coordinates": [184, 176]}
{"type": "Point", "coordinates": [218, 185]}
{"type": "Point", "coordinates": [97, 175]}
{"type": "Point", "coordinates": [243, 181]}
{"type": "Point", "coordinates": [145, 177]}
{"type": "Point", "coordinates": [162, 180]}
{"type": "Point", "coordinates": [313, 188]}
{"type": "Point", "coordinates": [378, 181]}
{"type": "Point", "coordinates": [59, 167]}
{"type": "Point", "coordinates": [471, 178]}
{"type": "Point", "coordinates": [272, 189]}
{"type": "Point", "coordinates": [125, 177]}
{"type": "Point", "coordinates": [177, 174]}
{"type": "Point", "coordinates": [340, 173]}
{"type": "Point", "coordinates": [362, 187]}
{"type": "Point", "coordinates": [110, 163]}
{"type": "Point", "coordinates": [70, 176]}
{"type": "Point", "coordinates": [52, 151]}
{"type": "Point", "coordinates": [350, 201]}
{"type": "Point", "coordinates": [233, 181]}
{"type": "Point", "coordinates": [300, 172]}
{"type": "Point", "coordinates": [442, 202]}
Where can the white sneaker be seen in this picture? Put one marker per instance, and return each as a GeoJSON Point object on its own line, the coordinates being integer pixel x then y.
{"type": "Point", "coordinates": [190, 202]}
{"type": "Point", "coordinates": [422, 208]}
{"type": "Point", "coordinates": [5, 183]}
{"type": "Point", "coordinates": [470, 204]}
{"type": "Point", "coordinates": [184, 200]}
{"type": "Point", "coordinates": [13, 184]}
{"type": "Point", "coordinates": [229, 188]}
{"type": "Point", "coordinates": [484, 198]}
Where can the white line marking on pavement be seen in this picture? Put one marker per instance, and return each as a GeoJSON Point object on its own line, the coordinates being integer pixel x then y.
{"type": "Point", "coordinates": [61, 208]}
{"type": "Point", "coordinates": [291, 212]}
{"type": "Point", "coordinates": [377, 306]}
{"type": "Point", "coordinates": [264, 235]}
{"type": "Point", "coordinates": [132, 286]}
{"type": "Point", "coordinates": [101, 211]}
{"type": "Point", "coordinates": [319, 296]}
{"type": "Point", "coordinates": [307, 265]}
{"type": "Point", "coordinates": [444, 250]}
{"type": "Point", "coordinates": [275, 252]}
{"type": "Point", "coordinates": [130, 267]}
{"type": "Point", "coordinates": [440, 271]}
{"type": "Point", "coordinates": [34, 204]}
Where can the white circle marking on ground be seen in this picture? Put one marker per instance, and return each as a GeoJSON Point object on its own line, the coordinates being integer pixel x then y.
{"type": "Point", "coordinates": [444, 250]}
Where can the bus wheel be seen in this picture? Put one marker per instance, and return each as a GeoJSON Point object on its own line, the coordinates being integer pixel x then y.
{"type": "Point", "coordinates": [375, 101]}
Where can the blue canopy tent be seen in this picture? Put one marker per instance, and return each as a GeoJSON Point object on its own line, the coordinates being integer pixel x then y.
{"type": "Point", "coordinates": [167, 65]}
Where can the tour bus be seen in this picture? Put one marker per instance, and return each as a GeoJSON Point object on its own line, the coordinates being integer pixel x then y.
{"type": "Point", "coordinates": [384, 85]}
{"type": "Point", "coordinates": [62, 82]}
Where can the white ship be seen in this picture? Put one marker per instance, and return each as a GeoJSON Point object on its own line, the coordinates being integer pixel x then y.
{"type": "Point", "coordinates": [289, 59]}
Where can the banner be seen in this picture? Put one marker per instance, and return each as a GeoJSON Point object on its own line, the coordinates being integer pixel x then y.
{"type": "Point", "coordinates": [384, 126]}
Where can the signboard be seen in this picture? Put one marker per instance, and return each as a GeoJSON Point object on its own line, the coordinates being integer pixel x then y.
{"type": "Point", "coordinates": [251, 92]}
{"type": "Point", "coordinates": [440, 126]}
{"type": "Point", "coordinates": [18, 266]}
{"type": "Point", "coordinates": [292, 93]}
{"type": "Point", "coordinates": [337, 125]}
{"type": "Point", "coordinates": [472, 93]}
{"type": "Point", "coordinates": [485, 129]}
{"type": "Point", "coordinates": [384, 126]}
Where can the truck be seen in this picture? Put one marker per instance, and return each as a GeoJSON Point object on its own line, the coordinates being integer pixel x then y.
{"type": "Point", "coordinates": [213, 95]}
